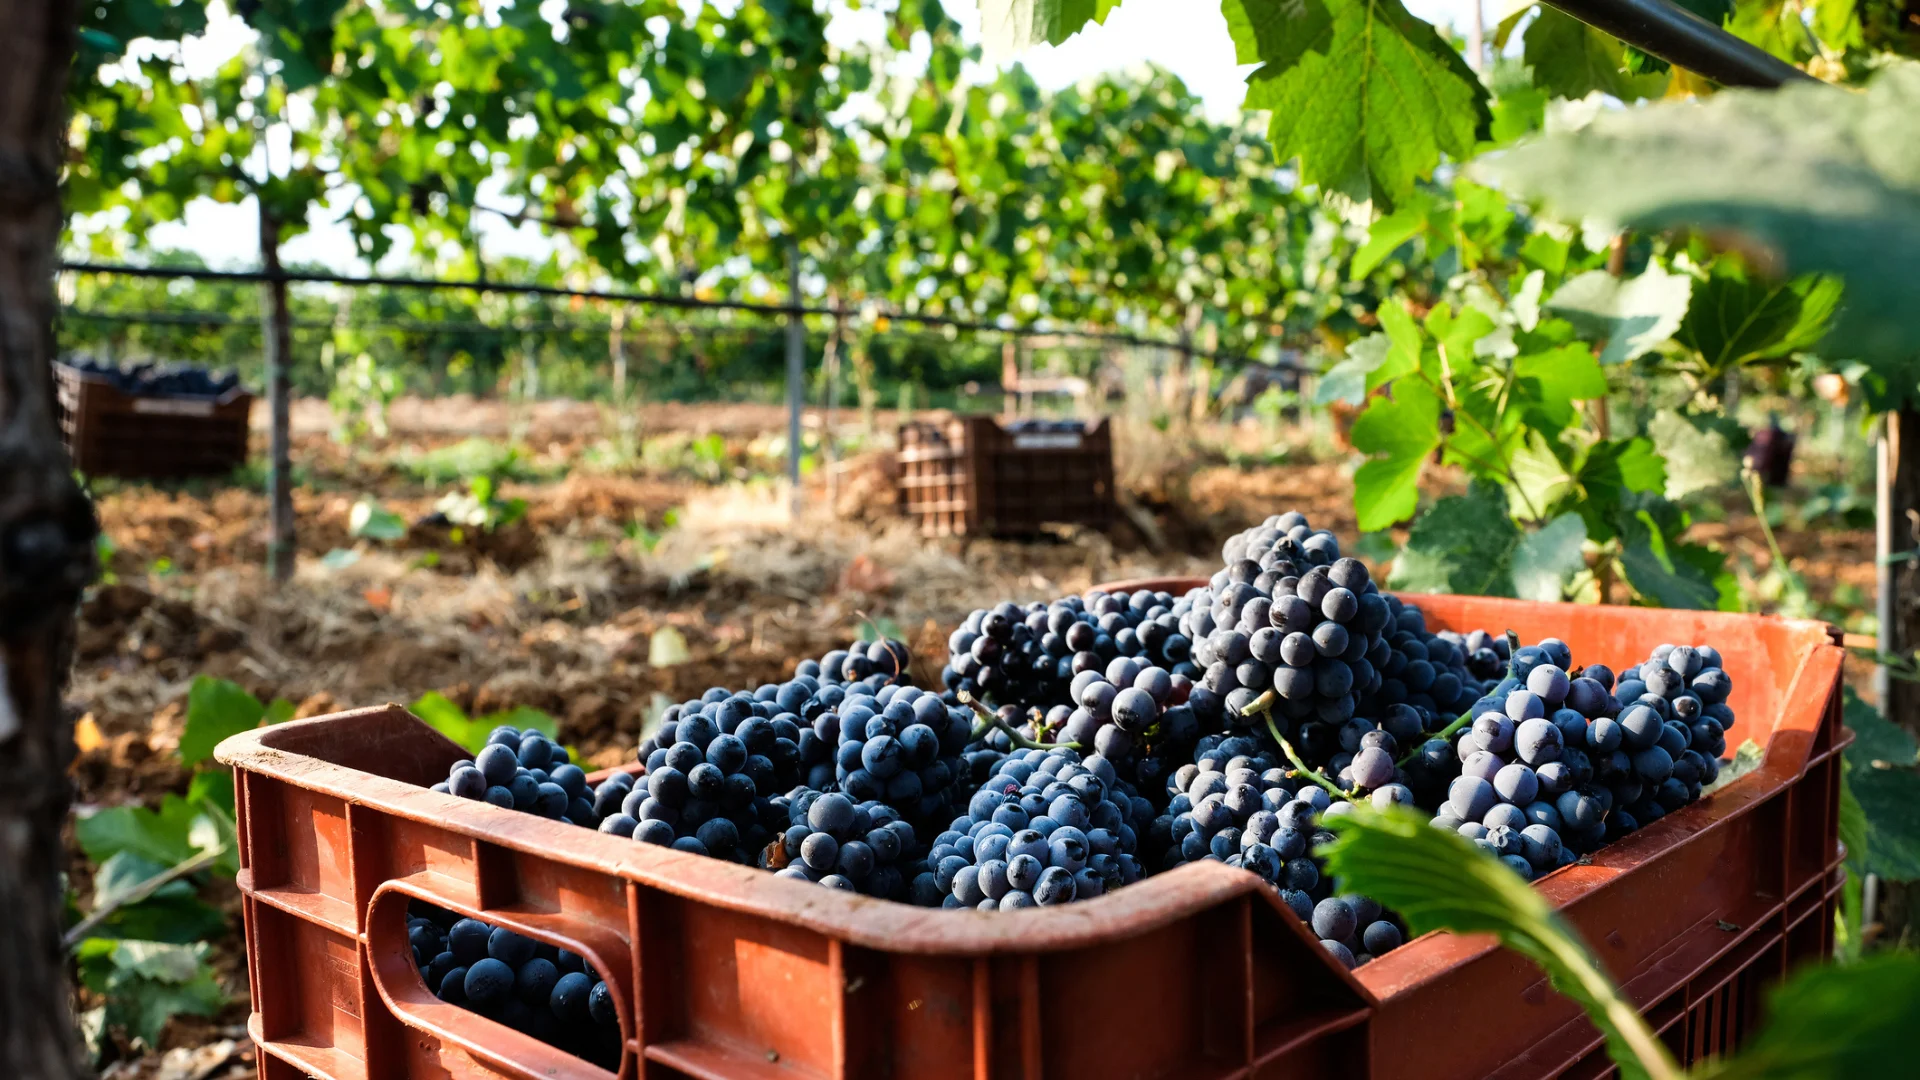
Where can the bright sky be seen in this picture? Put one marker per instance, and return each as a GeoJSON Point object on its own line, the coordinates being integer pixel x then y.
{"type": "Point", "coordinates": [1188, 37]}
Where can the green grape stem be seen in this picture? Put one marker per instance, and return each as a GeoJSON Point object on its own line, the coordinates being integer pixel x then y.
{"type": "Point", "coordinates": [990, 722]}
{"type": "Point", "coordinates": [1447, 732]}
{"type": "Point", "coordinates": [1301, 767]}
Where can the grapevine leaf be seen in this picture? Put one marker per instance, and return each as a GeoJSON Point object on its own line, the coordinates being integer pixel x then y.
{"type": "Point", "coordinates": [452, 721]}
{"type": "Point", "coordinates": [170, 914]}
{"type": "Point", "coordinates": [1546, 558]}
{"type": "Point", "coordinates": [1368, 98]}
{"type": "Point", "coordinates": [1657, 564]}
{"type": "Point", "coordinates": [1884, 776]}
{"type": "Point", "coordinates": [1438, 880]}
{"type": "Point", "coordinates": [1571, 60]}
{"type": "Point", "coordinates": [147, 982]}
{"type": "Point", "coordinates": [1346, 381]}
{"type": "Point", "coordinates": [375, 522]}
{"type": "Point", "coordinates": [1397, 432]}
{"type": "Point", "coordinates": [1875, 738]}
{"type": "Point", "coordinates": [1701, 452]}
{"type": "Point", "coordinates": [1811, 180]}
{"type": "Point", "coordinates": [1632, 315]}
{"type": "Point", "coordinates": [1385, 237]}
{"type": "Point", "coordinates": [1011, 27]}
{"type": "Point", "coordinates": [1568, 373]}
{"type": "Point", "coordinates": [216, 709]}
{"type": "Point", "coordinates": [163, 836]}
{"type": "Point", "coordinates": [1463, 544]}
{"type": "Point", "coordinates": [1737, 316]}
{"type": "Point", "coordinates": [1836, 1022]}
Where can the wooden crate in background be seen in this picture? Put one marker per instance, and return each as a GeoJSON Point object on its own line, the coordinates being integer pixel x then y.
{"type": "Point", "coordinates": [970, 476]}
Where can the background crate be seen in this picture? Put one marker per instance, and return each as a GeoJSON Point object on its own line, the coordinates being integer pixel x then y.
{"type": "Point", "coordinates": [719, 970]}
{"type": "Point", "coordinates": [968, 476]}
{"type": "Point", "coordinates": [110, 432]}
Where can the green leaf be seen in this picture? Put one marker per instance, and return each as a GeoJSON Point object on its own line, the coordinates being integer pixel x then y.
{"type": "Point", "coordinates": [1632, 315]}
{"type": "Point", "coordinates": [1397, 431]}
{"type": "Point", "coordinates": [471, 732]}
{"type": "Point", "coordinates": [1385, 237]}
{"type": "Point", "coordinates": [1438, 880]}
{"type": "Point", "coordinates": [1463, 544]}
{"type": "Point", "coordinates": [147, 982]}
{"type": "Point", "coordinates": [1813, 180]}
{"type": "Point", "coordinates": [216, 709]}
{"type": "Point", "coordinates": [1571, 60]}
{"type": "Point", "coordinates": [171, 914]}
{"type": "Point", "coordinates": [1367, 96]}
{"type": "Point", "coordinates": [1836, 1022]}
{"type": "Point", "coordinates": [1568, 373]}
{"type": "Point", "coordinates": [1657, 565]}
{"type": "Point", "coordinates": [163, 837]}
{"type": "Point", "coordinates": [1885, 784]}
{"type": "Point", "coordinates": [1700, 452]}
{"type": "Point", "coordinates": [1347, 380]}
{"type": "Point", "coordinates": [1011, 27]}
{"type": "Point", "coordinates": [372, 521]}
{"type": "Point", "coordinates": [1545, 559]}
{"type": "Point", "coordinates": [1877, 739]}
{"type": "Point", "coordinates": [1737, 316]}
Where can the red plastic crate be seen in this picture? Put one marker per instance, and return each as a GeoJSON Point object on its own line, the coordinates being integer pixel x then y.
{"type": "Point", "coordinates": [721, 970]}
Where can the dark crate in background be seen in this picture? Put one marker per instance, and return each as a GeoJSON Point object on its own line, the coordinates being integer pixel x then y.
{"type": "Point", "coordinates": [970, 476]}
{"type": "Point", "coordinates": [110, 432]}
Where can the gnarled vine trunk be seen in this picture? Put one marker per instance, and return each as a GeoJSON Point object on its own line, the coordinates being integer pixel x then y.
{"type": "Point", "coordinates": [47, 531]}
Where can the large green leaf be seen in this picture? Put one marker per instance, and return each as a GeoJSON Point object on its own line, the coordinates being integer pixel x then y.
{"type": "Point", "coordinates": [1438, 880]}
{"type": "Point", "coordinates": [1011, 27]}
{"type": "Point", "coordinates": [164, 836]}
{"type": "Point", "coordinates": [1398, 431]}
{"type": "Point", "coordinates": [1545, 559]}
{"type": "Point", "coordinates": [1737, 316]}
{"type": "Point", "coordinates": [1811, 179]}
{"type": "Point", "coordinates": [1632, 315]}
{"type": "Point", "coordinates": [147, 982]}
{"type": "Point", "coordinates": [1367, 96]}
{"type": "Point", "coordinates": [217, 709]}
{"type": "Point", "coordinates": [1571, 59]}
{"type": "Point", "coordinates": [452, 721]}
{"type": "Point", "coordinates": [1835, 1022]}
{"type": "Point", "coordinates": [1702, 451]}
{"type": "Point", "coordinates": [1661, 567]}
{"type": "Point", "coordinates": [1463, 544]}
{"type": "Point", "coordinates": [1883, 775]}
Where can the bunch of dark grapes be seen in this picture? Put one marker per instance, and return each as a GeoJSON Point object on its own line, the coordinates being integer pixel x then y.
{"type": "Point", "coordinates": [1027, 656]}
{"type": "Point", "coordinates": [530, 986]}
{"type": "Point", "coordinates": [1236, 804]}
{"type": "Point", "coordinates": [1290, 629]}
{"type": "Point", "coordinates": [159, 380]}
{"type": "Point", "coordinates": [1673, 722]}
{"type": "Point", "coordinates": [710, 769]}
{"type": "Point", "coordinates": [1436, 673]}
{"type": "Point", "coordinates": [525, 771]}
{"type": "Point", "coordinates": [900, 746]}
{"type": "Point", "coordinates": [1047, 827]}
{"type": "Point", "coordinates": [870, 665]}
{"type": "Point", "coordinates": [832, 840]}
{"type": "Point", "coordinates": [1121, 712]}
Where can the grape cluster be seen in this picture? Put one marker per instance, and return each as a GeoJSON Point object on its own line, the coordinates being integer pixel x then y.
{"type": "Point", "coordinates": [1435, 673]}
{"type": "Point", "coordinates": [1124, 706]}
{"type": "Point", "coordinates": [1047, 827]}
{"type": "Point", "coordinates": [158, 380]}
{"type": "Point", "coordinates": [710, 768]}
{"type": "Point", "coordinates": [900, 746]}
{"type": "Point", "coordinates": [1236, 804]}
{"type": "Point", "coordinates": [525, 771]}
{"type": "Point", "coordinates": [1289, 625]}
{"type": "Point", "coordinates": [831, 840]}
{"type": "Point", "coordinates": [1673, 722]}
{"type": "Point", "coordinates": [530, 986]}
{"type": "Point", "coordinates": [1026, 656]}
{"type": "Point", "coordinates": [870, 665]}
